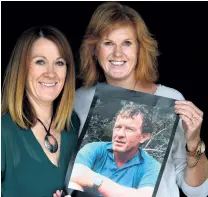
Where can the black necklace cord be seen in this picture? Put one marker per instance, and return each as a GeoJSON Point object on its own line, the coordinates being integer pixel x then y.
{"type": "Point", "coordinates": [51, 147]}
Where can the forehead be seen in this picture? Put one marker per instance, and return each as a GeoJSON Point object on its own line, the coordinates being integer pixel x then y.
{"type": "Point", "coordinates": [122, 30]}
{"type": "Point", "coordinates": [126, 119]}
{"type": "Point", "coordinates": [44, 46]}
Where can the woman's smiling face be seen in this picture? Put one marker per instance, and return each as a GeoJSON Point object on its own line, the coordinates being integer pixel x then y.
{"type": "Point", "coordinates": [117, 53]}
{"type": "Point", "coordinates": [46, 72]}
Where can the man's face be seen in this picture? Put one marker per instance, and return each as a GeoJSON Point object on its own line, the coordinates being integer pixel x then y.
{"type": "Point", "coordinates": [127, 133]}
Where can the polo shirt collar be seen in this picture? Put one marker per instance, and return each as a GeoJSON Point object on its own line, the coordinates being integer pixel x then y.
{"type": "Point", "coordinates": [136, 160]}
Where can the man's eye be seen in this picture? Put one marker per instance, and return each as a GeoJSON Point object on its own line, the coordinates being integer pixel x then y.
{"type": "Point", "coordinates": [40, 62]}
{"type": "Point", "coordinates": [130, 130]}
{"type": "Point", "coordinates": [108, 43]}
{"type": "Point", "coordinates": [127, 43]}
{"type": "Point", "coordinates": [60, 63]}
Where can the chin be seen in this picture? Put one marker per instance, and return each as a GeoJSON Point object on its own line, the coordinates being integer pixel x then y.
{"type": "Point", "coordinates": [118, 149]}
{"type": "Point", "coordinates": [118, 76]}
{"type": "Point", "coordinates": [48, 99]}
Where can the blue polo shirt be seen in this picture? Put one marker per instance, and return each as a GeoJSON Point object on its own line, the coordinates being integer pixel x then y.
{"type": "Point", "coordinates": [141, 171]}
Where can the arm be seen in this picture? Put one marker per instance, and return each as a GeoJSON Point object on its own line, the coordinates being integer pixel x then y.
{"type": "Point", "coordinates": [196, 177]}
{"type": "Point", "coordinates": [112, 189]}
{"type": "Point", "coordinates": [84, 176]}
{"type": "Point", "coordinates": [85, 158]}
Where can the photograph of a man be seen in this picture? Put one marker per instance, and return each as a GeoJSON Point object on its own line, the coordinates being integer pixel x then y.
{"type": "Point", "coordinates": [120, 167]}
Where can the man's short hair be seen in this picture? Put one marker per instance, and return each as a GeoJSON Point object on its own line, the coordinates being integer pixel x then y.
{"type": "Point", "coordinates": [131, 109]}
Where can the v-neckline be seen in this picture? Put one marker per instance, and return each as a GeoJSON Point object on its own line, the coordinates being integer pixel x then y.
{"type": "Point", "coordinates": [45, 155]}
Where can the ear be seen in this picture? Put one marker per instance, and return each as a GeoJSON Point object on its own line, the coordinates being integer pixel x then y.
{"type": "Point", "coordinates": [145, 137]}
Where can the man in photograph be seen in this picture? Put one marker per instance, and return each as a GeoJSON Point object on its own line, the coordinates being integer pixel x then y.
{"type": "Point", "coordinates": [121, 167]}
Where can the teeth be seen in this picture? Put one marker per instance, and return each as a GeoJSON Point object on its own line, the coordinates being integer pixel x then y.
{"type": "Point", "coordinates": [48, 84]}
{"type": "Point", "coordinates": [117, 63]}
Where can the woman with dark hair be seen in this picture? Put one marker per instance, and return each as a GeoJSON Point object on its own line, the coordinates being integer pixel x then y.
{"type": "Point", "coordinates": [39, 127]}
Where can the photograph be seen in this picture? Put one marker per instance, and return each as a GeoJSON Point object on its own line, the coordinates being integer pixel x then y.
{"type": "Point", "coordinates": [126, 138]}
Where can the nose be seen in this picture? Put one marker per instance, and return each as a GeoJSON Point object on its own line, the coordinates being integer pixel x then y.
{"type": "Point", "coordinates": [51, 70]}
{"type": "Point", "coordinates": [117, 51]}
{"type": "Point", "coordinates": [121, 133]}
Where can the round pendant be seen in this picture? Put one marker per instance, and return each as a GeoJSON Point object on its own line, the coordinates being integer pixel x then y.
{"type": "Point", "coordinates": [51, 147]}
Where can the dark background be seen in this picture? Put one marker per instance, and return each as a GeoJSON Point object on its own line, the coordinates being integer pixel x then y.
{"type": "Point", "coordinates": [181, 29]}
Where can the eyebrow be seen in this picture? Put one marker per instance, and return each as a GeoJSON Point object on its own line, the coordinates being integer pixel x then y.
{"type": "Point", "coordinates": [36, 56]}
{"type": "Point", "coordinates": [116, 125]}
{"type": "Point", "coordinates": [132, 128]}
{"type": "Point", "coordinates": [33, 57]}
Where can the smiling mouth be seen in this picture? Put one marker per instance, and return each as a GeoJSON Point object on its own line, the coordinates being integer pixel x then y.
{"type": "Point", "coordinates": [117, 63]}
{"type": "Point", "coordinates": [48, 84]}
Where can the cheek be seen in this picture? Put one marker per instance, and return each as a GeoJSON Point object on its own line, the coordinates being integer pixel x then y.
{"type": "Point", "coordinates": [34, 73]}
{"type": "Point", "coordinates": [114, 134]}
{"type": "Point", "coordinates": [132, 54]}
{"type": "Point", "coordinates": [102, 54]}
{"type": "Point", "coordinates": [62, 74]}
{"type": "Point", "coordinates": [133, 139]}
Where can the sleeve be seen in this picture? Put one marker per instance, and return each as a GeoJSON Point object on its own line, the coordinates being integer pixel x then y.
{"type": "Point", "coordinates": [179, 159]}
{"type": "Point", "coordinates": [150, 175]}
{"type": "Point", "coordinates": [89, 153]}
{"type": "Point", "coordinates": [3, 157]}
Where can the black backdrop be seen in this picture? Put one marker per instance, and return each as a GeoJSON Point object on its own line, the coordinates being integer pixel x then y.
{"type": "Point", "coordinates": [181, 29]}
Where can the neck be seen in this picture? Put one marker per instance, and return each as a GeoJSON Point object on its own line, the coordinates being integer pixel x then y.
{"type": "Point", "coordinates": [43, 111]}
{"type": "Point", "coordinates": [133, 84]}
{"type": "Point", "coordinates": [122, 158]}
{"type": "Point", "coordinates": [127, 83]}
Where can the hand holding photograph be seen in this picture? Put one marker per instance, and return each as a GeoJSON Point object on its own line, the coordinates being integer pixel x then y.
{"type": "Point", "coordinates": [124, 144]}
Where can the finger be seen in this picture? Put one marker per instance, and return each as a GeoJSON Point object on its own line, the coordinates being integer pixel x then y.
{"type": "Point", "coordinates": [184, 112]}
{"type": "Point", "coordinates": [190, 104]}
{"type": "Point", "coordinates": [195, 118]}
{"type": "Point", "coordinates": [58, 193]}
{"type": "Point", "coordinates": [185, 107]}
{"type": "Point", "coordinates": [187, 110]}
{"type": "Point", "coordinates": [186, 120]}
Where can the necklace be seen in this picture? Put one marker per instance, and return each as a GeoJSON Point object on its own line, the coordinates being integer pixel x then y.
{"type": "Point", "coordinates": [51, 147]}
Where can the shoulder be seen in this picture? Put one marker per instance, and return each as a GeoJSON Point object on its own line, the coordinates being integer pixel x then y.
{"type": "Point", "coordinates": [149, 160]}
{"type": "Point", "coordinates": [7, 123]}
{"type": "Point", "coordinates": [169, 92]}
{"type": "Point", "coordinates": [10, 131]}
{"type": "Point", "coordinates": [83, 100]}
{"type": "Point", "coordinates": [85, 93]}
{"type": "Point", "coordinates": [5, 118]}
